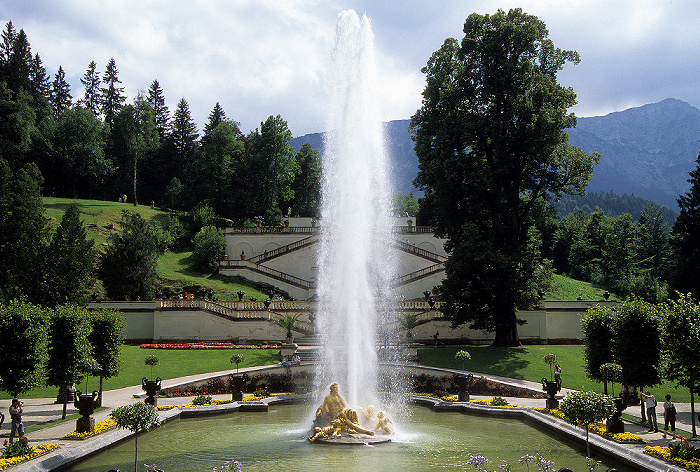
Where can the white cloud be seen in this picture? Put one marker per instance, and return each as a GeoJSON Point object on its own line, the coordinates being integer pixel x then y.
{"type": "Point", "coordinates": [268, 57]}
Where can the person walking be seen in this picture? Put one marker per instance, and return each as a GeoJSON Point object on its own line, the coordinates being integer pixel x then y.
{"type": "Point", "coordinates": [17, 426]}
{"type": "Point", "coordinates": [650, 403]}
{"type": "Point", "coordinates": [669, 416]}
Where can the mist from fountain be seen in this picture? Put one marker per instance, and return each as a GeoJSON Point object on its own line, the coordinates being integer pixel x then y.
{"type": "Point", "coordinates": [355, 263]}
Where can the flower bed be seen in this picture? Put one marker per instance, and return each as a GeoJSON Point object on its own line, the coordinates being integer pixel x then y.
{"type": "Point", "coordinates": [663, 452]}
{"type": "Point", "coordinates": [36, 451]}
{"type": "Point", "coordinates": [208, 345]}
{"type": "Point", "coordinates": [100, 427]}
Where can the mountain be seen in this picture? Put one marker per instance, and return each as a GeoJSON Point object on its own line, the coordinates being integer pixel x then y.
{"type": "Point", "coordinates": [646, 151]}
{"type": "Point", "coordinates": [399, 146]}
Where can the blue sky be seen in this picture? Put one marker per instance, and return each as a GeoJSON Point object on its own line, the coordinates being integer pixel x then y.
{"type": "Point", "coordinates": [267, 57]}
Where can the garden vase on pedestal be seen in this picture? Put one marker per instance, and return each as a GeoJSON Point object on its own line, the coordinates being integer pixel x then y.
{"type": "Point", "coordinates": [614, 424]}
{"type": "Point", "coordinates": [464, 382]}
{"type": "Point", "coordinates": [86, 407]}
{"type": "Point", "coordinates": [237, 384]}
{"type": "Point", "coordinates": [552, 387]}
{"type": "Point", "coordinates": [151, 387]}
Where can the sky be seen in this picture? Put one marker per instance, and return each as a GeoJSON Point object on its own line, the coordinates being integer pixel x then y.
{"type": "Point", "coordinates": [261, 58]}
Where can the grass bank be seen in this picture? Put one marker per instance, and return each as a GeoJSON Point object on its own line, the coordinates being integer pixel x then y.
{"type": "Point", "coordinates": [173, 363]}
{"type": "Point", "coordinates": [527, 363]}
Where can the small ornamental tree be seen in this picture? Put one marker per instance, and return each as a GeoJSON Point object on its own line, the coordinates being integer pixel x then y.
{"type": "Point", "coordinates": [462, 356]}
{"type": "Point", "coordinates": [237, 359]}
{"type": "Point", "coordinates": [151, 361]}
{"type": "Point", "coordinates": [288, 322]}
{"type": "Point", "coordinates": [682, 344]}
{"type": "Point", "coordinates": [585, 408]}
{"type": "Point", "coordinates": [106, 337]}
{"type": "Point", "coordinates": [611, 371]}
{"type": "Point", "coordinates": [137, 417]}
{"type": "Point", "coordinates": [23, 330]}
{"type": "Point", "coordinates": [550, 359]}
{"type": "Point", "coordinates": [68, 346]}
{"type": "Point", "coordinates": [637, 329]}
{"type": "Point", "coordinates": [597, 326]}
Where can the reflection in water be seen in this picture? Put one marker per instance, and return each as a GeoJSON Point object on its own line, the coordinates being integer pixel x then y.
{"type": "Point", "coordinates": [272, 441]}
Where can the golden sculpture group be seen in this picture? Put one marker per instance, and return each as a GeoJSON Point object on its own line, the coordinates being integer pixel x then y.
{"type": "Point", "coordinates": [334, 416]}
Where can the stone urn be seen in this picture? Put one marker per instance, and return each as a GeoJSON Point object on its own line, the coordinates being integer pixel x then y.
{"type": "Point", "coordinates": [614, 424]}
{"type": "Point", "coordinates": [237, 384]}
{"type": "Point", "coordinates": [552, 387]}
{"type": "Point", "coordinates": [464, 381]}
{"type": "Point", "coordinates": [85, 403]}
{"type": "Point", "coordinates": [151, 387]}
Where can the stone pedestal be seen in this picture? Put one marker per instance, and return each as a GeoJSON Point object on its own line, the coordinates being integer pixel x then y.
{"type": "Point", "coordinates": [85, 424]}
{"type": "Point", "coordinates": [552, 387]}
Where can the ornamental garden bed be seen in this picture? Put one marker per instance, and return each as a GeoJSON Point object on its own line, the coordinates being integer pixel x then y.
{"type": "Point", "coordinates": [207, 345]}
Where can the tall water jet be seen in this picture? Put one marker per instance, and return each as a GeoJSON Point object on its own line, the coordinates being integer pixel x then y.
{"type": "Point", "coordinates": [355, 266]}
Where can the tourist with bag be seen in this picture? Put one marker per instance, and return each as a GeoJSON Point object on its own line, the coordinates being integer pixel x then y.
{"type": "Point", "coordinates": [669, 416]}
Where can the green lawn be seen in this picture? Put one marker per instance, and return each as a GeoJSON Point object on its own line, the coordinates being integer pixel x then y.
{"type": "Point", "coordinates": [173, 363]}
{"type": "Point", "coordinates": [527, 363]}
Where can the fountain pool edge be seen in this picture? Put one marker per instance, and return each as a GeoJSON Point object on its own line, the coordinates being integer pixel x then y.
{"type": "Point", "coordinates": [631, 455]}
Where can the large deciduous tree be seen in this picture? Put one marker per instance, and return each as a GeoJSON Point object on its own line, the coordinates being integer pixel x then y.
{"type": "Point", "coordinates": [598, 341]}
{"type": "Point", "coordinates": [307, 184]}
{"type": "Point", "coordinates": [491, 145]}
{"type": "Point", "coordinates": [270, 169]}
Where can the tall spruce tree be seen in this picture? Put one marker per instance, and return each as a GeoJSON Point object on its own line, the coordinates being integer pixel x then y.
{"type": "Point", "coordinates": [491, 142]}
{"type": "Point", "coordinates": [685, 238]}
{"type": "Point", "coordinates": [216, 116]}
{"type": "Point", "coordinates": [60, 92]}
{"type": "Point", "coordinates": [41, 88]}
{"type": "Point", "coordinates": [161, 114]}
{"type": "Point", "coordinates": [91, 81]}
{"type": "Point", "coordinates": [182, 141]}
{"type": "Point", "coordinates": [112, 97]}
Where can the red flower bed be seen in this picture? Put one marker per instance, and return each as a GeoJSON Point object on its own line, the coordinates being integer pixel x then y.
{"type": "Point", "coordinates": [208, 345]}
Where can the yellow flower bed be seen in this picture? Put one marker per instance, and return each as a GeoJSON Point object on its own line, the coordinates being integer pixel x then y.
{"type": "Point", "coordinates": [664, 453]}
{"type": "Point", "coordinates": [622, 437]}
{"type": "Point", "coordinates": [100, 427]}
{"type": "Point", "coordinates": [36, 452]}
{"type": "Point", "coordinates": [190, 405]}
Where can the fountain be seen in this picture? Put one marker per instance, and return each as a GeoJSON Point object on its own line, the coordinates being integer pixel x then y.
{"type": "Point", "coordinates": [354, 283]}
{"type": "Point", "coordinates": [355, 267]}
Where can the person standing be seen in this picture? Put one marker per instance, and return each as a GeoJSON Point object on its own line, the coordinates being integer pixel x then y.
{"type": "Point", "coordinates": [650, 403]}
{"type": "Point", "coordinates": [17, 426]}
{"type": "Point", "coordinates": [557, 374]}
{"type": "Point", "coordinates": [669, 416]}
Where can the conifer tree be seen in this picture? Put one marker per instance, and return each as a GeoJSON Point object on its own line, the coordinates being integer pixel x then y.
{"type": "Point", "coordinates": [685, 238]}
{"type": "Point", "coordinates": [60, 92]}
{"type": "Point", "coordinates": [91, 81]}
{"type": "Point", "coordinates": [161, 114]}
{"type": "Point", "coordinates": [112, 98]}
{"type": "Point", "coordinates": [216, 116]}
{"type": "Point", "coordinates": [183, 140]}
{"type": "Point", "coordinates": [70, 269]}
